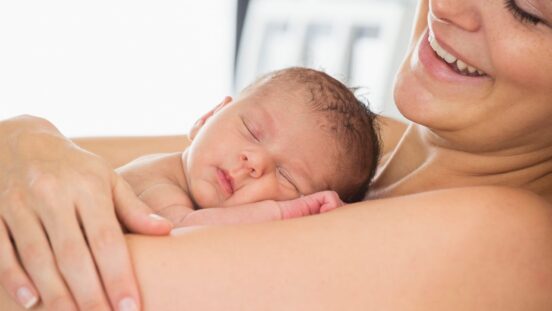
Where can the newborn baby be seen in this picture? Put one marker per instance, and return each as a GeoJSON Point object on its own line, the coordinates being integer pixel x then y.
{"type": "Point", "coordinates": [292, 144]}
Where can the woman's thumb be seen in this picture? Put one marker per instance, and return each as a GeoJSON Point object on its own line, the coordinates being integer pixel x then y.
{"type": "Point", "coordinates": [134, 214]}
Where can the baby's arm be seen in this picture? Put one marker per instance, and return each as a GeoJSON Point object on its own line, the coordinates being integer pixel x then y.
{"type": "Point", "coordinates": [269, 210]}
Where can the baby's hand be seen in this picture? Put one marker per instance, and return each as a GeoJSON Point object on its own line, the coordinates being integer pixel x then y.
{"type": "Point", "coordinates": [316, 203]}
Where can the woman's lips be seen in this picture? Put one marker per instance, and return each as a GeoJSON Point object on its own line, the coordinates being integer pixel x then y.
{"type": "Point", "coordinates": [225, 181]}
{"type": "Point", "coordinates": [439, 69]}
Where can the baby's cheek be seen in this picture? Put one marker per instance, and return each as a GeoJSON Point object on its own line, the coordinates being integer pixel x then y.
{"type": "Point", "coordinates": [204, 195]}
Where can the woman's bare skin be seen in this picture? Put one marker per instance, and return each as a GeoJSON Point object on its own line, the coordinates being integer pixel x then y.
{"type": "Point", "coordinates": [461, 214]}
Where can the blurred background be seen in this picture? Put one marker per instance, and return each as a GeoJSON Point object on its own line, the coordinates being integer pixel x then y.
{"type": "Point", "coordinates": [139, 67]}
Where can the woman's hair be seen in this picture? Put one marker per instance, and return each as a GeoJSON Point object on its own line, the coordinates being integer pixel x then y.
{"type": "Point", "coordinates": [346, 117]}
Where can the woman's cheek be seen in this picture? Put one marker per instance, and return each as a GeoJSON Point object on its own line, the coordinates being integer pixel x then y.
{"type": "Point", "coordinates": [518, 59]}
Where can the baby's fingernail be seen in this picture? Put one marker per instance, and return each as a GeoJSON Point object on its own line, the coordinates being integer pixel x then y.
{"type": "Point", "coordinates": [26, 297]}
{"type": "Point", "coordinates": [127, 304]}
{"type": "Point", "coordinates": [157, 217]}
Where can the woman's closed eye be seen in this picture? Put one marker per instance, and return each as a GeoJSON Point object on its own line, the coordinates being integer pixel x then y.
{"type": "Point", "coordinates": [523, 16]}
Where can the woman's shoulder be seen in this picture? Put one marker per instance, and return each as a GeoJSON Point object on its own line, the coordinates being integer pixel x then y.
{"type": "Point", "coordinates": [490, 203]}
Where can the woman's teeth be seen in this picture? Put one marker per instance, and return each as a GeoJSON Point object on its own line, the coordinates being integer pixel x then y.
{"type": "Point", "coordinates": [457, 64]}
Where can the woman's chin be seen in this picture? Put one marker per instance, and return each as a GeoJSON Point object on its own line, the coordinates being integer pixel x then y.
{"type": "Point", "coordinates": [412, 100]}
{"type": "Point", "coordinates": [423, 106]}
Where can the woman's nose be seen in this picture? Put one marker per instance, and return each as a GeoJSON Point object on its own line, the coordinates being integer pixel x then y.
{"type": "Point", "coordinates": [463, 14]}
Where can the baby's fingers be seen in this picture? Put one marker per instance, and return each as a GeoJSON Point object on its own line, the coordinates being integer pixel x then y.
{"type": "Point", "coordinates": [329, 200]}
{"type": "Point", "coordinates": [319, 202]}
{"type": "Point", "coordinates": [12, 277]}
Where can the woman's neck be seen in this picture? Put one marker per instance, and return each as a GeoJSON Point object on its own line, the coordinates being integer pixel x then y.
{"type": "Point", "coordinates": [422, 163]}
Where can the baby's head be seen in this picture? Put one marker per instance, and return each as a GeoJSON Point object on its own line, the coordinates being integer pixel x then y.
{"type": "Point", "coordinates": [292, 132]}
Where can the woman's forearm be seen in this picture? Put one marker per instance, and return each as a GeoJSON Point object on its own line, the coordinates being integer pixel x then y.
{"type": "Point", "coordinates": [436, 251]}
{"type": "Point", "coordinates": [120, 150]}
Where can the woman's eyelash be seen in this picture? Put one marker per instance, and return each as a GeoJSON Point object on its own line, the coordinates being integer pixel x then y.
{"type": "Point", "coordinates": [521, 15]}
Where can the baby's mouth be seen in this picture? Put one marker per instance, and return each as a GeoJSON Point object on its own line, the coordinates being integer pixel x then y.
{"type": "Point", "coordinates": [225, 180]}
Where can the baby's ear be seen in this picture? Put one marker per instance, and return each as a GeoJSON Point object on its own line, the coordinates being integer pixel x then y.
{"type": "Point", "coordinates": [199, 123]}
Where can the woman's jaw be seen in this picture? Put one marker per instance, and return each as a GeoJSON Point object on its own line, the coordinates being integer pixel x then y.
{"type": "Point", "coordinates": [439, 94]}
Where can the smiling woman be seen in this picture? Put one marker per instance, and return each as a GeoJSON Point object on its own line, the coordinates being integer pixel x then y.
{"type": "Point", "coordinates": [460, 216]}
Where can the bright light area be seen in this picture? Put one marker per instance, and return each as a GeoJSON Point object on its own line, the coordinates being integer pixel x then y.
{"type": "Point", "coordinates": [115, 67]}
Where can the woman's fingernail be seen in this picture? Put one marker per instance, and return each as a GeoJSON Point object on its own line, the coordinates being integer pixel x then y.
{"type": "Point", "coordinates": [127, 304]}
{"type": "Point", "coordinates": [183, 230]}
{"type": "Point", "coordinates": [157, 217]}
{"type": "Point", "coordinates": [26, 297]}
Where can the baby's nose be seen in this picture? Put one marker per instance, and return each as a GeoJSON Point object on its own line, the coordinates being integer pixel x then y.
{"type": "Point", "coordinates": [256, 164]}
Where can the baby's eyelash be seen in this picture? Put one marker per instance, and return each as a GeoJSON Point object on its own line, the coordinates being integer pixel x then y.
{"type": "Point", "coordinates": [521, 15]}
{"type": "Point", "coordinates": [250, 131]}
{"type": "Point", "coordinates": [286, 177]}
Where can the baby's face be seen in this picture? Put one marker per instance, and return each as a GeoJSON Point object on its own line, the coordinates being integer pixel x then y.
{"type": "Point", "coordinates": [261, 147]}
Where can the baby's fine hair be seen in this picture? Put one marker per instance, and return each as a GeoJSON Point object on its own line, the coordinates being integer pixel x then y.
{"type": "Point", "coordinates": [346, 117]}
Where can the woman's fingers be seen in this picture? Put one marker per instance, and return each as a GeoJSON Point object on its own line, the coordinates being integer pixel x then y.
{"type": "Point", "coordinates": [135, 214]}
{"type": "Point", "coordinates": [75, 261]}
{"type": "Point", "coordinates": [110, 252]}
{"type": "Point", "coordinates": [37, 258]}
{"type": "Point", "coordinates": [47, 180]}
{"type": "Point", "coordinates": [12, 276]}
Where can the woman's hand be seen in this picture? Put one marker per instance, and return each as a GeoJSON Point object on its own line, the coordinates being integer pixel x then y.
{"type": "Point", "coordinates": [59, 206]}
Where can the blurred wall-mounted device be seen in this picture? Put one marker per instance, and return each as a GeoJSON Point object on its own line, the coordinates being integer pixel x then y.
{"type": "Point", "coordinates": [360, 42]}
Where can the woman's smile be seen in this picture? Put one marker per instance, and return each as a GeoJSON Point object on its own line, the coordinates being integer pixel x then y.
{"type": "Point", "coordinates": [443, 65]}
{"type": "Point", "coordinates": [458, 65]}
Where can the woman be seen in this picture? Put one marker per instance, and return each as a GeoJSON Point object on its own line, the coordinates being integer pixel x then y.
{"type": "Point", "coordinates": [460, 218]}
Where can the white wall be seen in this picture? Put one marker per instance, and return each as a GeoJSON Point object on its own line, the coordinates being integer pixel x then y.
{"type": "Point", "coordinates": [114, 66]}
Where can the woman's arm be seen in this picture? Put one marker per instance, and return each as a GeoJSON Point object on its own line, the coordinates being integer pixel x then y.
{"type": "Point", "coordinates": [121, 150]}
{"type": "Point", "coordinates": [432, 251]}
